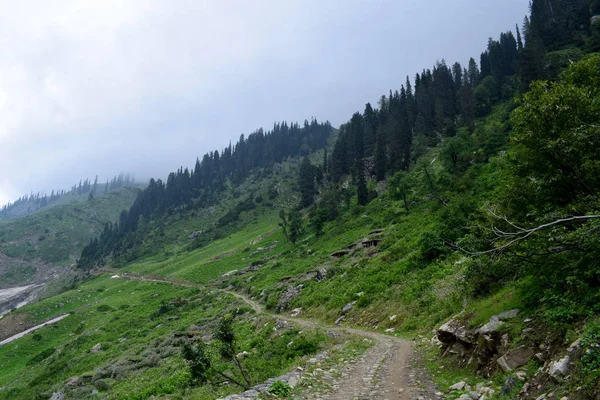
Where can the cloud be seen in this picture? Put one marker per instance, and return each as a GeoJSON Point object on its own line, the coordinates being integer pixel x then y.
{"type": "Point", "coordinates": [92, 88]}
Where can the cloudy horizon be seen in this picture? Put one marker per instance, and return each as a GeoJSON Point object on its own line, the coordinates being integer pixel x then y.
{"type": "Point", "coordinates": [144, 87]}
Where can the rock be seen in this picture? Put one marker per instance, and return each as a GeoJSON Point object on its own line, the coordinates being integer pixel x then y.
{"type": "Point", "coordinates": [57, 396]}
{"type": "Point", "coordinates": [393, 317]}
{"type": "Point", "coordinates": [458, 386]}
{"type": "Point", "coordinates": [74, 381]}
{"type": "Point", "coordinates": [322, 273]}
{"type": "Point", "coordinates": [389, 330]}
{"type": "Point", "coordinates": [491, 327]}
{"type": "Point", "coordinates": [515, 358]}
{"type": "Point", "coordinates": [559, 369]}
{"type": "Point", "coordinates": [286, 298]}
{"type": "Point", "coordinates": [474, 395]}
{"type": "Point", "coordinates": [346, 309]}
{"type": "Point", "coordinates": [594, 19]}
{"type": "Point", "coordinates": [447, 332]}
{"type": "Point", "coordinates": [230, 273]}
{"type": "Point", "coordinates": [97, 348]}
{"type": "Point", "coordinates": [340, 320]}
{"type": "Point", "coordinates": [464, 397]}
{"type": "Point", "coordinates": [574, 346]}
{"type": "Point", "coordinates": [524, 389]}
{"type": "Point", "coordinates": [540, 357]}
{"type": "Point", "coordinates": [521, 375]}
{"type": "Point", "coordinates": [505, 315]}
{"type": "Point", "coordinates": [509, 384]}
{"type": "Point", "coordinates": [295, 312]}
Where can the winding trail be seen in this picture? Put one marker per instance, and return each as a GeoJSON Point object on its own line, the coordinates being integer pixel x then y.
{"type": "Point", "coordinates": [386, 371]}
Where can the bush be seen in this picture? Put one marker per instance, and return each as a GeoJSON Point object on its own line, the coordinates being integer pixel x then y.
{"type": "Point", "coordinates": [280, 389]}
{"type": "Point", "coordinates": [589, 365]}
{"type": "Point", "coordinates": [41, 356]}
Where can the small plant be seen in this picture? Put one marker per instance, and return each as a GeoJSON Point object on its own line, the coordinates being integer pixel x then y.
{"type": "Point", "coordinates": [280, 389]}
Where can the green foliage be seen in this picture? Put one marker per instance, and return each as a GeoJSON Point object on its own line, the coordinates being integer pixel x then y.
{"type": "Point", "coordinates": [41, 356]}
{"type": "Point", "coordinates": [198, 360]}
{"type": "Point", "coordinates": [557, 153]}
{"type": "Point", "coordinates": [280, 389]}
{"type": "Point", "coordinates": [589, 365]}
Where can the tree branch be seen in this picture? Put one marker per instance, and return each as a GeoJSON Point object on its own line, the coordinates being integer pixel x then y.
{"type": "Point", "coordinates": [523, 233]}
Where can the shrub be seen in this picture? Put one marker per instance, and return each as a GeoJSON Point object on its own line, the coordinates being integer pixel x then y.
{"type": "Point", "coordinates": [280, 389]}
{"type": "Point", "coordinates": [41, 356]}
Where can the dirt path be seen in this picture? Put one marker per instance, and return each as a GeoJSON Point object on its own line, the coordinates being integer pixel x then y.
{"type": "Point", "coordinates": [387, 371]}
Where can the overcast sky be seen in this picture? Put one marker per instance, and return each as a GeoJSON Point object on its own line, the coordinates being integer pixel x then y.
{"type": "Point", "coordinates": [145, 86]}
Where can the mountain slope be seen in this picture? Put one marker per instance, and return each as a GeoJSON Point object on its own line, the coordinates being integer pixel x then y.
{"type": "Point", "coordinates": [40, 246]}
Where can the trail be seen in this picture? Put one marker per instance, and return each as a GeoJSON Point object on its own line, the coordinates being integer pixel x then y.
{"type": "Point", "coordinates": [385, 372]}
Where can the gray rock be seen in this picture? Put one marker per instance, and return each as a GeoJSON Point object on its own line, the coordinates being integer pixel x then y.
{"type": "Point", "coordinates": [287, 297]}
{"type": "Point", "coordinates": [340, 320]}
{"type": "Point", "coordinates": [506, 315]}
{"type": "Point", "coordinates": [97, 348]}
{"type": "Point", "coordinates": [458, 386]}
{"type": "Point", "coordinates": [558, 369]}
{"type": "Point", "coordinates": [515, 358]}
{"type": "Point", "coordinates": [491, 327]}
{"type": "Point", "coordinates": [74, 381]}
{"type": "Point", "coordinates": [322, 274]}
{"type": "Point", "coordinates": [57, 396]}
{"type": "Point", "coordinates": [509, 384]}
{"type": "Point", "coordinates": [346, 309]}
{"type": "Point", "coordinates": [447, 332]}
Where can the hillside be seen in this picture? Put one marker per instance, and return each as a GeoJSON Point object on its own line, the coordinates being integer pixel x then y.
{"type": "Point", "coordinates": [443, 244]}
{"type": "Point", "coordinates": [42, 246]}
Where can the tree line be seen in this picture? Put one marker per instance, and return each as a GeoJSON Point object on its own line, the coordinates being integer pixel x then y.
{"type": "Point", "coordinates": [200, 187]}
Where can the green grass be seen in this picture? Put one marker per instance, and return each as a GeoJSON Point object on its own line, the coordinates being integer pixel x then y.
{"type": "Point", "coordinates": [55, 235]}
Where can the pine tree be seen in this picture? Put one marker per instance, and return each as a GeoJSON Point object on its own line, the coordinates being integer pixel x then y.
{"type": "Point", "coordinates": [362, 192]}
{"type": "Point", "coordinates": [306, 183]}
{"type": "Point", "coordinates": [380, 155]}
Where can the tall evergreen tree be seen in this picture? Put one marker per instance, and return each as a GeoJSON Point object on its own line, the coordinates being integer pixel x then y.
{"type": "Point", "coordinates": [306, 183]}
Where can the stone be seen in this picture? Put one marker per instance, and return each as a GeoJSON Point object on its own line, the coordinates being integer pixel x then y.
{"type": "Point", "coordinates": [458, 386]}
{"type": "Point", "coordinates": [509, 384]}
{"type": "Point", "coordinates": [346, 309]}
{"type": "Point", "coordinates": [558, 369]}
{"type": "Point", "coordinates": [97, 348]}
{"type": "Point", "coordinates": [574, 346]}
{"type": "Point", "coordinates": [393, 317]}
{"type": "Point", "coordinates": [74, 381]}
{"type": "Point", "coordinates": [506, 315]}
{"type": "Point", "coordinates": [389, 330]}
{"type": "Point", "coordinates": [491, 327]}
{"type": "Point", "coordinates": [521, 375]}
{"type": "Point", "coordinates": [295, 312]}
{"type": "Point", "coordinates": [515, 358]}
{"type": "Point", "coordinates": [57, 396]}
{"type": "Point", "coordinates": [447, 332]}
{"type": "Point", "coordinates": [340, 320]}
{"type": "Point", "coordinates": [322, 274]}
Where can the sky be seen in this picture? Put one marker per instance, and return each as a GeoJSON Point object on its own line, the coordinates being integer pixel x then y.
{"type": "Point", "coordinates": [145, 86]}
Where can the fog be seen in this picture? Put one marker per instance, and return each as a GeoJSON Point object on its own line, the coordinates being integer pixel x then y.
{"type": "Point", "coordinates": [95, 88]}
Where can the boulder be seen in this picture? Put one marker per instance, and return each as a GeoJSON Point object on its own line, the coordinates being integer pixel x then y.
{"type": "Point", "coordinates": [322, 274]}
{"type": "Point", "coordinates": [515, 358]}
{"type": "Point", "coordinates": [346, 309]}
{"type": "Point", "coordinates": [458, 386]}
{"type": "Point", "coordinates": [446, 332]}
{"type": "Point", "coordinates": [506, 315]}
{"type": "Point", "coordinates": [97, 348]}
{"type": "Point", "coordinates": [286, 298]}
{"type": "Point", "coordinates": [491, 327]}
{"type": "Point", "coordinates": [558, 369]}
{"type": "Point", "coordinates": [74, 381]}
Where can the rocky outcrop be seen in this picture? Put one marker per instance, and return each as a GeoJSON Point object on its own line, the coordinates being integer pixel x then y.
{"type": "Point", "coordinates": [481, 346]}
{"type": "Point", "coordinates": [515, 358]}
{"type": "Point", "coordinates": [287, 297]}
